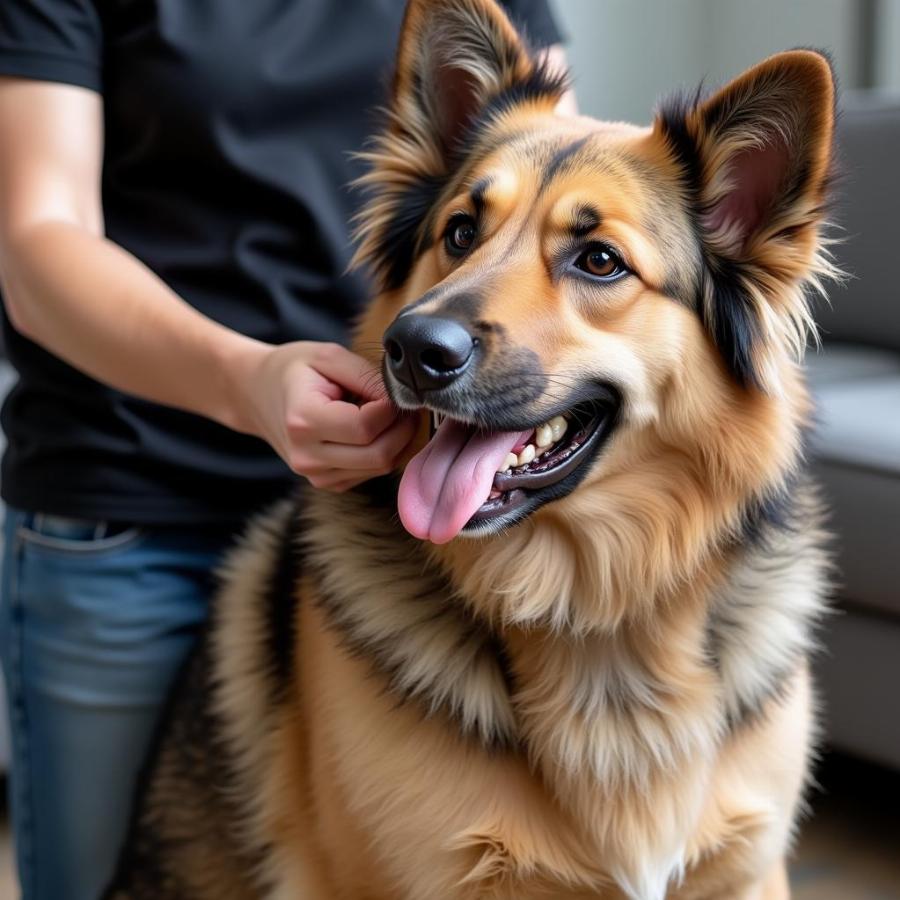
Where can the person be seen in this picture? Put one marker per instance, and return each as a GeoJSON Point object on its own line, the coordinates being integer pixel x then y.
{"type": "Point", "coordinates": [173, 247]}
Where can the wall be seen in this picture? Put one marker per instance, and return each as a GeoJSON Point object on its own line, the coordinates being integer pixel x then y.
{"type": "Point", "coordinates": [627, 53]}
{"type": "Point", "coordinates": [886, 49]}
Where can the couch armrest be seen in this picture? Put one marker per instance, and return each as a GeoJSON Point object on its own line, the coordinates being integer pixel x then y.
{"type": "Point", "coordinates": [867, 310]}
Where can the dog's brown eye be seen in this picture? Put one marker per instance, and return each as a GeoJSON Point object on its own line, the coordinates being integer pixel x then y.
{"type": "Point", "coordinates": [601, 262]}
{"type": "Point", "coordinates": [460, 235]}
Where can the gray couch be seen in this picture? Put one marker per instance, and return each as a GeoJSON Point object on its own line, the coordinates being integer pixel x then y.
{"type": "Point", "coordinates": [856, 449]}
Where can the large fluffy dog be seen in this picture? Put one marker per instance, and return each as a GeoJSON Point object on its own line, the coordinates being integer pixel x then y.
{"type": "Point", "coordinates": [576, 665]}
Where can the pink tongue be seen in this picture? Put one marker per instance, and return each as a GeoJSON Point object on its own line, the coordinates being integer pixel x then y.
{"type": "Point", "coordinates": [445, 482]}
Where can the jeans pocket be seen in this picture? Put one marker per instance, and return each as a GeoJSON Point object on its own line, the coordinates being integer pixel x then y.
{"type": "Point", "coordinates": [80, 537]}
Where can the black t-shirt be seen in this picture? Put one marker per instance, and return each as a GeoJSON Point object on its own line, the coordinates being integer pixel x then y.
{"type": "Point", "coordinates": [229, 128]}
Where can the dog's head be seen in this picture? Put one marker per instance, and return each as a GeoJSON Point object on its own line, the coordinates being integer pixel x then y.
{"type": "Point", "coordinates": [582, 304]}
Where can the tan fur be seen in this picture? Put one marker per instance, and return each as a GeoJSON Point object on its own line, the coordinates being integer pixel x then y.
{"type": "Point", "coordinates": [405, 807]}
{"type": "Point", "coordinates": [610, 699]}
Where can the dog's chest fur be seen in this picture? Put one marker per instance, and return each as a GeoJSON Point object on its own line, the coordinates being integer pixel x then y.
{"type": "Point", "coordinates": [601, 748]}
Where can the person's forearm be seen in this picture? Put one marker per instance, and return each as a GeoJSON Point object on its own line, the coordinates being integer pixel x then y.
{"type": "Point", "coordinates": [94, 305]}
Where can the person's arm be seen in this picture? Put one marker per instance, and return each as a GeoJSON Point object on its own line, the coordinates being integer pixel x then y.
{"type": "Point", "coordinates": [88, 301]}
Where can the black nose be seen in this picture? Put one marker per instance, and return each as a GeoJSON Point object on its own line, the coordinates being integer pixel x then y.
{"type": "Point", "coordinates": [425, 352]}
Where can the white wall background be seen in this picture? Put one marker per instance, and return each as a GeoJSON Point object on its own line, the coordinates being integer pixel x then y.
{"type": "Point", "coordinates": [887, 45]}
{"type": "Point", "coordinates": [625, 54]}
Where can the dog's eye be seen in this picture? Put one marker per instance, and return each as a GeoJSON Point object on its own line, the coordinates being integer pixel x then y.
{"type": "Point", "coordinates": [601, 262]}
{"type": "Point", "coordinates": [460, 235]}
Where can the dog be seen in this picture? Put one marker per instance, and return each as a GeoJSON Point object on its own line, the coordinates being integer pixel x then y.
{"type": "Point", "coordinates": [575, 665]}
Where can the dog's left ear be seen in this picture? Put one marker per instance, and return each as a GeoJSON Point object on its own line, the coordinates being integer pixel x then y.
{"type": "Point", "coordinates": [460, 65]}
{"type": "Point", "coordinates": [454, 57]}
{"type": "Point", "coordinates": [756, 160]}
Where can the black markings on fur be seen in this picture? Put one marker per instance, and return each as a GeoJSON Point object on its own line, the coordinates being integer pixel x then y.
{"type": "Point", "coordinates": [186, 805]}
{"type": "Point", "coordinates": [725, 626]}
{"type": "Point", "coordinates": [587, 219]}
{"type": "Point", "coordinates": [562, 161]}
{"type": "Point", "coordinates": [185, 808]}
{"type": "Point", "coordinates": [423, 603]}
{"type": "Point", "coordinates": [768, 514]}
{"type": "Point", "coordinates": [402, 239]}
{"type": "Point", "coordinates": [381, 492]}
{"type": "Point", "coordinates": [502, 389]}
{"type": "Point", "coordinates": [673, 117]}
{"type": "Point", "coordinates": [377, 655]}
{"type": "Point", "coordinates": [730, 315]}
{"type": "Point", "coordinates": [778, 692]}
{"type": "Point", "coordinates": [732, 320]}
{"type": "Point", "coordinates": [789, 510]}
{"type": "Point", "coordinates": [464, 308]}
{"type": "Point", "coordinates": [543, 82]}
{"type": "Point", "coordinates": [280, 607]}
{"type": "Point", "coordinates": [438, 292]}
{"type": "Point", "coordinates": [785, 506]}
{"type": "Point", "coordinates": [405, 236]}
{"type": "Point", "coordinates": [476, 195]}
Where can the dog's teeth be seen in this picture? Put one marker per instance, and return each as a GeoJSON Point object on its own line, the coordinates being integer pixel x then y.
{"type": "Point", "coordinates": [558, 426]}
{"type": "Point", "coordinates": [510, 461]}
{"type": "Point", "coordinates": [543, 436]}
{"type": "Point", "coordinates": [527, 455]}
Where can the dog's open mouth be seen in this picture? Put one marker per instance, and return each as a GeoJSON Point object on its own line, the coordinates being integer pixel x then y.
{"type": "Point", "coordinates": [469, 480]}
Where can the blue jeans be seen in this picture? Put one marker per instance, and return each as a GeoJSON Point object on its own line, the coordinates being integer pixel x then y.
{"type": "Point", "coordinates": [95, 621]}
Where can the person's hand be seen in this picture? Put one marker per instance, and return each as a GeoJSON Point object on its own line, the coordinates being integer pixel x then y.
{"type": "Point", "coordinates": [297, 397]}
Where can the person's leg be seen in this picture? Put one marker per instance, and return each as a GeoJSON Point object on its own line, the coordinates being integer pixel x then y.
{"type": "Point", "coordinates": [93, 628]}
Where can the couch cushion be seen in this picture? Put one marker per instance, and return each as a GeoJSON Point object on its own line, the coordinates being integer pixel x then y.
{"type": "Point", "coordinates": [860, 424]}
{"type": "Point", "coordinates": [858, 676]}
{"type": "Point", "coordinates": [867, 309]}
{"type": "Point", "coordinates": [856, 451]}
{"type": "Point", "coordinates": [864, 508]}
{"type": "Point", "coordinates": [836, 362]}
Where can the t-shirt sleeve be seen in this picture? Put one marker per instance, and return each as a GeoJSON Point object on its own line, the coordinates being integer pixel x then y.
{"type": "Point", "coordinates": [536, 20]}
{"type": "Point", "coordinates": [52, 40]}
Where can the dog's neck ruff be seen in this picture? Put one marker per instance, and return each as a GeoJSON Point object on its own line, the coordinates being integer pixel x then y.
{"type": "Point", "coordinates": [601, 717]}
{"type": "Point", "coordinates": [394, 607]}
{"type": "Point", "coordinates": [396, 610]}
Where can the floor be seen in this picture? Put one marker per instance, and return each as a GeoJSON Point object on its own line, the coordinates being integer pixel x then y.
{"type": "Point", "coordinates": [849, 849]}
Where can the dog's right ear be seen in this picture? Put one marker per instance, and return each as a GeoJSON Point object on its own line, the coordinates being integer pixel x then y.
{"type": "Point", "coordinates": [460, 64]}
{"type": "Point", "coordinates": [454, 57]}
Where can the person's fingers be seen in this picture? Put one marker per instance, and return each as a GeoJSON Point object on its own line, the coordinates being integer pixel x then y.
{"type": "Point", "coordinates": [341, 422]}
{"type": "Point", "coordinates": [351, 372]}
{"type": "Point", "coordinates": [379, 455]}
{"type": "Point", "coordinates": [307, 453]}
